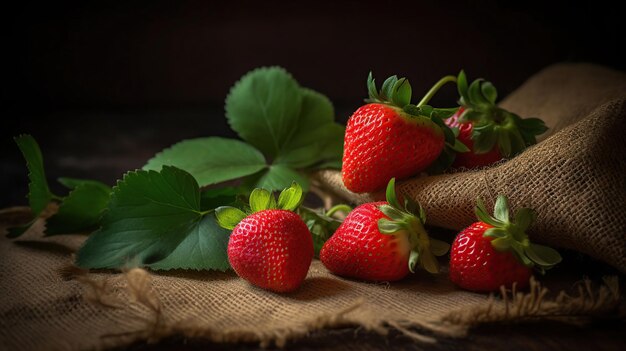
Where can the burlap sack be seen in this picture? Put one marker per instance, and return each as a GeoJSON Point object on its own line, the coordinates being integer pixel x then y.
{"type": "Point", "coordinates": [47, 304]}
{"type": "Point", "coordinates": [575, 179]}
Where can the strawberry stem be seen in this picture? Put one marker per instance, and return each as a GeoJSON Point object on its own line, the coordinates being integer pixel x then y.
{"type": "Point", "coordinates": [338, 208]}
{"type": "Point", "coordinates": [429, 95]}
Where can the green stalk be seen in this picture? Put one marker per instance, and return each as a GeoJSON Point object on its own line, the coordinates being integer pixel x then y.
{"type": "Point", "coordinates": [429, 95]}
{"type": "Point", "coordinates": [341, 207]}
{"type": "Point", "coordinates": [204, 213]}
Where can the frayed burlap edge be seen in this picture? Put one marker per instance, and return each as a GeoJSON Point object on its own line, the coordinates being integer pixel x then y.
{"type": "Point", "coordinates": [590, 302]}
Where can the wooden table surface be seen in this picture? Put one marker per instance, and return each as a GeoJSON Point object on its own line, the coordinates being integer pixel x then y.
{"type": "Point", "coordinates": [538, 336]}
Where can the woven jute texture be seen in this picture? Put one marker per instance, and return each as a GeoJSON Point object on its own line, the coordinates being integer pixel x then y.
{"type": "Point", "coordinates": [574, 179]}
{"type": "Point", "coordinates": [48, 304]}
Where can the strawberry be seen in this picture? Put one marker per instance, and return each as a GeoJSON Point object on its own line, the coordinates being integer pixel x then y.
{"type": "Point", "coordinates": [496, 252]}
{"type": "Point", "coordinates": [490, 132]}
{"type": "Point", "coordinates": [390, 138]}
{"type": "Point", "coordinates": [470, 159]}
{"type": "Point", "coordinates": [382, 241]}
{"type": "Point", "coordinates": [270, 247]}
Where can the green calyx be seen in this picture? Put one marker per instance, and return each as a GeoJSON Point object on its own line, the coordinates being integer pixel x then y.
{"type": "Point", "coordinates": [511, 236]}
{"type": "Point", "coordinates": [493, 125]}
{"type": "Point", "coordinates": [410, 219]}
{"type": "Point", "coordinates": [322, 224]}
{"type": "Point", "coordinates": [397, 92]}
{"type": "Point", "coordinates": [260, 199]}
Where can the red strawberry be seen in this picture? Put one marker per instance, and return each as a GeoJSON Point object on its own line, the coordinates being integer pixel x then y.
{"type": "Point", "coordinates": [490, 132]}
{"type": "Point", "coordinates": [271, 248]}
{"type": "Point", "coordinates": [382, 241]}
{"type": "Point", "coordinates": [470, 159]}
{"type": "Point", "coordinates": [392, 138]}
{"type": "Point", "coordinates": [496, 252]}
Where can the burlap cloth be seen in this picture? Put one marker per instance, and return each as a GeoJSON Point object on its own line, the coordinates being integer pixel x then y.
{"type": "Point", "coordinates": [575, 178]}
{"type": "Point", "coordinates": [47, 304]}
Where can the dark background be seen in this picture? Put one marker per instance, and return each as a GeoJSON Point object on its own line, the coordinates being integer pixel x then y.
{"type": "Point", "coordinates": [103, 85]}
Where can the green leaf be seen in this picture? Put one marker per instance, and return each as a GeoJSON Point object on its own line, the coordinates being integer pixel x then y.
{"type": "Point", "coordinates": [459, 146]}
{"type": "Point", "coordinates": [438, 247]}
{"type": "Point", "coordinates": [81, 210]}
{"type": "Point", "coordinates": [524, 218]}
{"type": "Point", "coordinates": [263, 107]}
{"type": "Point", "coordinates": [316, 148]}
{"type": "Point", "coordinates": [228, 217]}
{"type": "Point", "coordinates": [532, 126]}
{"type": "Point", "coordinates": [544, 256]}
{"type": "Point", "coordinates": [429, 262]}
{"type": "Point", "coordinates": [426, 110]}
{"type": "Point", "coordinates": [422, 215]}
{"type": "Point", "coordinates": [290, 198]}
{"type": "Point", "coordinates": [204, 248]}
{"type": "Point", "coordinates": [443, 161]}
{"type": "Point", "coordinates": [320, 225]}
{"type": "Point", "coordinates": [216, 197]}
{"type": "Point", "coordinates": [391, 212]}
{"type": "Point", "coordinates": [518, 252]}
{"type": "Point", "coordinates": [447, 132]}
{"type": "Point", "coordinates": [411, 206]}
{"type": "Point", "coordinates": [316, 110]}
{"type": "Point", "coordinates": [501, 244]}
{"type": "Point", "coordinates": [211, 160]}
{"type": "Point", "coordinates": [149, 215]}
{"type": "Point", "coordinates": [472, 116]}
{"type": "Point", "coordinates": [72, 183]}
{"type": "Point", "coordinates": [414, 257]}
{"type": "Point", "coordinates": [278, 177]}
{"type": "Point", "coordinates": [475, 94]}
{"type": "Point", "coordinates": [483, 215]}
{"type": "Point", "coordinates": [495, 125]}
{"type": "Point", "coordinates": [301, 157]}
{"type": "Point", "coordinates": [312, 134]}
{"type": "Point", "coordinates": [371, 88]}
{"type": "Point", "coordinates": [412, 110]}
{"type": "Point", "coordinates": [39, 194]}
{"type": "Point", "coordinates": [484, 137]}
{"type": "Point", "coordinates": [401, 95]}
{"type": "Point", "coordinates": [386, 226]}
{"type": "Point", "coordinates": [444, 112]}
{"type": "Point", "coordinates": [387, 88]}
{"type": "Point", "coordinates": [501, 209]}
{"type": "Point", "coordinates": [504, 141]}
{"type": "Point", "coordinates": [391, 193]}
{"type": "Point", "coordinates": [332, 164]}
{"type": "Point", "coordinates": [461, 83]}
{"type": "Point", "coordinates": [518, 144]}
{"type": "Point", "coordinates": [496, 233]}
{"type": "Point", "coordinates": [314, 145]}
{"type": "Point", "coordinates": [317, 140]}
{"type": "Point", "coordinates": [455, 131]}
{"type": "Point", "coordinates": [489, 92]}
{"type": "Point", "coordinates": [261, 199]}
{"type": "Point", "coordinates": [332, 149]}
